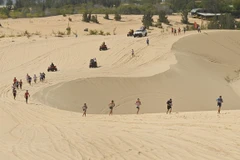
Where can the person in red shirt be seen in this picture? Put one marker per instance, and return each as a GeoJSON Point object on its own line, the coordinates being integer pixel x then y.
{"type": "Point", "coordinates": [14, 80]}
{"type": "Point", "coordinates": [27, 95]}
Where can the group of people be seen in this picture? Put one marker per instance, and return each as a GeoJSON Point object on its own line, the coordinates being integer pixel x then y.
{"type": "Point", "coordinates": [178, 31]}
{"type": "Point", "coordinates": [138, 103]}
{"type": "Point", "coordinates": [29, 78]}
{"type": "Point", "coordinates": [18, 84]}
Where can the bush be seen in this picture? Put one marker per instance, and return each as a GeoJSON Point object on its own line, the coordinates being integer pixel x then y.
{"type": "Point", "coordinates": [108, 34]}
{"type": "Point", "coordinates": [68, 30]}
{"type": "Point", "coordinates": [106, 16]}
{"type": "Point", "coordinates": [93, 32]}
{"type": "Point", "coordinates": [117, 17]}
{"type": "Point", "coordinates": [3, 16]}
{"type": "Point", "coordinates": [26, 33]}
{"type": "Point", "coordinates": [16, 14]}
{"type": "Point", "coordinates": [158, 24]}
{"type": "Point", "coordinates": [94, 19]}
{"type": "Point", "coordinates": [60, 34]}
{"type": "Point", "coordinates": [101, 32]}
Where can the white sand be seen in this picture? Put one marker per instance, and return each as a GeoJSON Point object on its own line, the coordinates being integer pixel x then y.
{"type": "Point", "coordinates": [193, 74]}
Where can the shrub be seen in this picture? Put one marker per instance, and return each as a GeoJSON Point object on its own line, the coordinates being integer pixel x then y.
{"type": "Point", "coordinates": [3, 16]}
{"type": "Point", "coordinates": [106, 16]}
{"type": "Point", "coordinates": [94, 19]}
{"type": "Point", "coordinates": [68, 30]}
{"type": "Point", "coordinates": [93, 32]}
{"type": "Point", "coordinates": [16, 14]}
{"type": "Point", "coordinates": [158, 24]}
{"type": "Point", "coordinates": [101, 32]}
{"type": "Point", "coordinates": [26, 33]}
{"type": "Point", "coordinates": [108, 34]}
{"type": "Point", "coordinates": [37, 33]}
{"type": "Point", "coordinates": [117, 17]}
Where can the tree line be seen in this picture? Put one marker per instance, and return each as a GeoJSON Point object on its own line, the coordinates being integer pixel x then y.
{"type": "Point", "coordinates": [148, 8]}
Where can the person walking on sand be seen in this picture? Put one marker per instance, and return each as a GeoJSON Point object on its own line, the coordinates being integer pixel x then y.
{"type": "Point", "coordinates": [84, 109]}
{"type": "Point", "coordinates": [138, 104]}
{"type": "Point", "coordinates": [20, 84]}
{"type": "Point", "coordinates": [27, 95]}
{"type": "Point", "coordinates": [175, 32]}
{"type": "Point", "coordinates": [111, 105]}
{"type": "Point", "coordinates": [147, 41]}
{"type": "Point", "coordinates": [132, 53]}
{"type": "Point", "coordinates": [199, 29]}
{"type": "Point", "coordinates": [27, 77]}
{"type": "Point", "coordinates": [35, 78]}
{"type": "Point", "coordinates": [179, 31]}
{"type": "Point", "coordinates": [169, 106]}
{"type": "Point", "coordinates": [29, 80]}
{"type": "Point", "coordinates": [14, 93]}
{"type": "Point", "coordinates": [219, 103]}
{"type": "Point", "coordinates": [184, 30]}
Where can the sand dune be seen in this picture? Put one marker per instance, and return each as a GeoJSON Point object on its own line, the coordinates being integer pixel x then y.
{"type": "Point", "coordinates": [193, 69]}
{"type": "Point", "coordinates": [198, 78]}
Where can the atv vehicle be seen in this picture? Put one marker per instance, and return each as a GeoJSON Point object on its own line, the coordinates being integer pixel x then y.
{"type": "Point", "coordinates": [103, 47]}
{"type": "Point", "coordinates": [130, 33]}
{"type": "Point", "coordinates": [93, 64]}
{"type": "Point", "coordinates": [52, 68]}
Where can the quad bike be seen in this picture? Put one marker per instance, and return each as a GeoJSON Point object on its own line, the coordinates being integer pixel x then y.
{"type": "Point", "coordinates": [52, 69]}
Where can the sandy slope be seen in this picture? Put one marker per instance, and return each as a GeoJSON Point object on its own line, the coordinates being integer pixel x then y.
{"type": "Point", "coordinates": [204, 62]}
{"type": "Point", "coordinates": [40, 132]}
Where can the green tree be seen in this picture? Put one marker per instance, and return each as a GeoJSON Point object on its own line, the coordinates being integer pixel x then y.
{"type": "Point", "coordinates": [179, 5]}
{"type": "Point", "coordinates": [185, 16]}
{"type": "Point", "coordinates": [147, 19]}
{"type": "Point", "coordinates": [94, 19]}
{"type": "Point", "coordinates": [9, 4]}
{"type": "Point", "coordinates": [117, 17]}
{"type": "Point", "coordinates": [85, 17]}
{"type": "Point", "coordinates": [226, 21]}
{"type": "Point", "coordinates": [1, 2]}
{"type": "Point", "coordinates": [163, 17]}
{"type": "Point", "coordinates": [236, 4]}
{"type": "Point", "coordinates": [217, 5]}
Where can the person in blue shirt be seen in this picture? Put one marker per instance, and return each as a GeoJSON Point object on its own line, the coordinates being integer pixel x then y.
{"type": "Point", "coordinates": [219, 103]}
